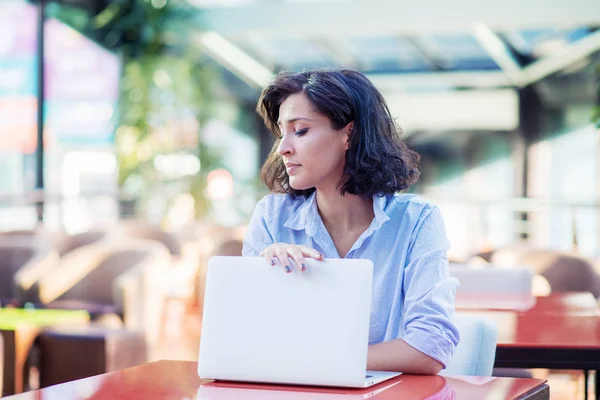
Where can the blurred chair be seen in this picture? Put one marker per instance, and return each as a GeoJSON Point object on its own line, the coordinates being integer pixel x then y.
{"type": "Point", "coordinates": [492, 280]}
{"type": "Point", "coordinates": [38, 236]}
{"type": "Point", "coordinates": [564, 272]}
{"type": "Point", "coordinates": [231, 247]}
{"type": "Point", "coordinates": [476, 351]}
{"type": "Point", "coordinates": [485, 255]}
{"type": "Point", "coordinates": [521, 254]}
{"type": "Point", "coordinates": [142, 230]}
{"type": "Point", "coordinates": [498, 288]}
{"type": "Point", "coordinates": [23, 260]}
{"type": "Point", "coordinates": [494, 287]}
{"type": "Point", "coordinates": [67, 354]}
{"type": "Point", "coordinates": [65, 243]}
{"type": "Point", "coordinates": [123, 278]}
{"type": "Point", "coordinates": [567, 273]}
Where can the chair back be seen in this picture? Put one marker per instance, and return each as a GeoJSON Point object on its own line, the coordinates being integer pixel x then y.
{"type": "Point", "coordinates": [21, 258]}
{"type": "Point", "coordinates": [145, 231]}
{"type": "Point", "coordinates": [12, 258]}
{"type": "Point", "coordinates": [66, 243]}
{"type": "Point", "coordinates": [564, 272]}
{"type": "Point", "coordinates": [96, 286]}
{"type": "Point", "coordinates": [232, 247]}
{"type": "Point", "coordinates": [492, 279]}
{"type": "Point", "coordinates": [476, 352]}
{"type": "Point", "coordinates": [569, 273]}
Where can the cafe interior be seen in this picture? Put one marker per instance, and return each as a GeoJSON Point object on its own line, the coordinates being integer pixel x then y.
{"type": "Point", "coordinates": [130, 153]}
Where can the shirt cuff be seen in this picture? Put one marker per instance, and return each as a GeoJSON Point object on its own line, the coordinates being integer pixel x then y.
{"type": "Point", "coordinates": [435, 346]}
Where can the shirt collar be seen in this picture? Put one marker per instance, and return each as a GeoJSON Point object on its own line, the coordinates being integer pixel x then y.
{"type": "Point", "coordinates": [379, 203]}
{"type": "Point", "coordinates": [307, 215]}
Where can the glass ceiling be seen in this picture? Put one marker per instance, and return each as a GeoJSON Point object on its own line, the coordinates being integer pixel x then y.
{"type": "Point", "coordinates": [398, 54]}
{"type": "Point", "coordinates": [512, 43]}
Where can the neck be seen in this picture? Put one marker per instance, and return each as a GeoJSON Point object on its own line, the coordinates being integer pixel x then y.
{"type": "Point", "coordinates": [348, 212]}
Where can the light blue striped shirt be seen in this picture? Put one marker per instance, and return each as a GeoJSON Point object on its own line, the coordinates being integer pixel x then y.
{"type": "Point", "coordinates": [413, 294]}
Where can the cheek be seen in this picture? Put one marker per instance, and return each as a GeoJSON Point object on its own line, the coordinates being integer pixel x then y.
{"type": "Point", "coordinates": [325, 161]}
{"type": "Point", "coordinates": [321, 153]}
{"type": "Point", "coordinates": [320, 156]}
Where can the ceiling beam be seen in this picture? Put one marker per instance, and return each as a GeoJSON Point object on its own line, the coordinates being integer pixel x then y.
{"type": "Point", "coordinates": [234, 59]}
{"type": "Point", "coordinates": [570, 55]}
{"type": "Point", "coordinates": [500, 53]}
{"type": "Point", "coordinates": [430, 53]}
{"type": "Point", "coordinates": [402, 17]}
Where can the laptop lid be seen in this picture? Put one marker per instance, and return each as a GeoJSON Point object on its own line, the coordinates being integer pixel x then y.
{"type": "Point", "coordinates": [310, 327]}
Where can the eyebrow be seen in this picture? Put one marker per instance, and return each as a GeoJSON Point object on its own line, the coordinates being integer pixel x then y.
{"type": "Point", "coordinates": [292, 120]}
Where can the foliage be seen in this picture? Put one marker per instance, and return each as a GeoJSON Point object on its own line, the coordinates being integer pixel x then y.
{"type": "Point", "coordinates": [164, 89]}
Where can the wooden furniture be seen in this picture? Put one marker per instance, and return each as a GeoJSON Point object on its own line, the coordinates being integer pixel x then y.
{"type": "Point", "coordinates": [571, 303]}
{"type": "Point", "coordinates": [561, 331]}
{"type": "Point", "coordinates": [70, 353]}
{"type": "Point", "coordinates": [179, 380]}
{"type": "Point", "coordinates": [19, 328]}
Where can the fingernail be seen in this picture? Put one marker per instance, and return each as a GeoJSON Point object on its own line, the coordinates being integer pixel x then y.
{"type": "Point", "coordinates": [288, 268]}
{"type": "Point", "coordinates": [321, 255]}
{"type": "Point", "coordinates": [272, 261]}
{"type": "Point", "coordinates": [303, 266]}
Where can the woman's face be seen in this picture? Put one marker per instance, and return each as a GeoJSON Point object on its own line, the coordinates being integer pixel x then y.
{"type": "Point", "coordinates": [312, 151]}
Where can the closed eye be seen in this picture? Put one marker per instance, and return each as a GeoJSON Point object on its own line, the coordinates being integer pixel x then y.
{"type": "Point", "coordinates": [297, 133]}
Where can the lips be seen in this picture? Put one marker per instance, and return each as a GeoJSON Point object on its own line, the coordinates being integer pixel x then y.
{"type": "Point", "coordinates": [291, 167]}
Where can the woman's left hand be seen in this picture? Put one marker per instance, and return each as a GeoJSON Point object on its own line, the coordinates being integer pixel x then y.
{"type": "Point", "coordinates": [284, 254]}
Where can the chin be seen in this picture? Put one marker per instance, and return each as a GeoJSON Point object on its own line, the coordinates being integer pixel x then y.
{"type": "Point", "coordinates": [299, 185]}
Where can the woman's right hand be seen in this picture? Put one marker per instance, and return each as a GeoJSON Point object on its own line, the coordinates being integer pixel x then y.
{"type": "Point", "coordinates": [287, 255]}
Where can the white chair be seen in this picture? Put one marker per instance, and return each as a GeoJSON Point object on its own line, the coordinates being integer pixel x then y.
{"type": "Point", "coordinates": [494, 288]}
{"type": "Point", "coordinates": [476, 351]}
{"type": "Point", "coordinates": [492, 279]}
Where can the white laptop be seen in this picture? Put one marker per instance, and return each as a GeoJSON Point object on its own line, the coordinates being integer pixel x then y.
{"type": "Point", "coordinates": [225, 391]}
{"type": "Point", "coordinates": [261, 324]}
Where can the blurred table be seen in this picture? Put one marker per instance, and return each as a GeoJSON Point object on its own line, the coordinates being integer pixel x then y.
{"type": "Point", "coordinates": [571, 303]}
{"type": "Point", "coordinates": [20, 327]}
{"type": "Point", "coordinates": [179, 380]}
{"type": "Point", "coordinates": [567, 303]}
{"type": "Point", "coordinates": [561, 331]}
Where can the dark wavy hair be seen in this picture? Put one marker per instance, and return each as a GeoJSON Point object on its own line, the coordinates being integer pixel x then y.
{"type": "Point", "coordinates": [378, 161]}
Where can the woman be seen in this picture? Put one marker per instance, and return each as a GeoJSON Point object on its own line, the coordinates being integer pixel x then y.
{"type": "Point", "coordinates": [338, 164]}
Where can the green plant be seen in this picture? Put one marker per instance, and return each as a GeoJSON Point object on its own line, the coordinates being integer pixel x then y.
{"type": "Point", "coordinates": [164, 90]}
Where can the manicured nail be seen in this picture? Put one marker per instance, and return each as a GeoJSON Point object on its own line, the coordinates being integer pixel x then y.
{"type": "Point", "coordinates": [272, 261]}
{"type": "Point", "coordinates": [303, 266]}
{"type": "Point", "coordinates": [288, 268]}
{"type": "Point", "coordinates": [321, 255]}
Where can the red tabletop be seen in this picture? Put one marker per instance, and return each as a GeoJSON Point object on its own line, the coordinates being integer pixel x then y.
{"type": "Point", "coordinates": [572, 303]}
{"type": "Point", "coordinates": [179, 380]}
{"type": "Point", "coordinates": [561, 320]}
{"type": "Point", "coordinates": [552, 331]}
{"type": "Point", "coordinates": [561, 331]}
{"type": "Point", "coordinates": [568, 303]}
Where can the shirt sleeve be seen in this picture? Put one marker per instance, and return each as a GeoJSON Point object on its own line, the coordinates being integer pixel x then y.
{"type": "Point", "coordinates": [257, 235]}
{"type": "Point", "coordinates": [430, 291]}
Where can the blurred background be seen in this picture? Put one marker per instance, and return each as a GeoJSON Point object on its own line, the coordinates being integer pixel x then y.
{"type": "Point", "coordinates": [130, 149]}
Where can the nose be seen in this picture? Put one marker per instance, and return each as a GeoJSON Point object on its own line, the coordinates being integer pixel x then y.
{"type": "Point", "coordinates": [285, 146]}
